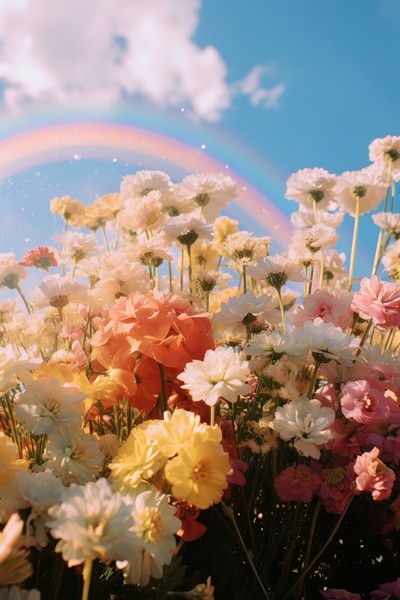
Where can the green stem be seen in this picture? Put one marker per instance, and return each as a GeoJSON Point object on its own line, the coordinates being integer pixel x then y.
{"type": "Point", "coordinates": [103, 228]}
{"type": "Point", "coordinates": [354, 244]}
{"type": "Point", "coordinates": [163, 401]}
{"type": "Point", "coordinates": [228, 510]}
{"type": "Point", "coordinates": [87, 575]}
{"type": "Point", "coordinates": [313, 379]}
{"type": "Point", "coordinates": [318, 556]}
{"type": "Point", "coordinates": [282, 309]}
{"type": "Point", "coordinates": [20, 292]}
{"type": "Point", "coordinates": [244, 280]}
{"type": "Point", "coordinates": [14, 432]}
{"type": "Point", "coordinates": [170, 277]}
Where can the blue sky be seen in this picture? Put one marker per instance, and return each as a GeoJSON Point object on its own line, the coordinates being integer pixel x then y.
{"type": "Point", "coordinates": [285, 85]}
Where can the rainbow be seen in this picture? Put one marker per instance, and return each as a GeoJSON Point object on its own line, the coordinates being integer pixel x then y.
{"type": "Point", "coordinates": [105, 140]}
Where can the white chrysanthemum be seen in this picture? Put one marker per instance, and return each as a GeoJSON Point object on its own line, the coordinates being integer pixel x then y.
{"type": "Point", "coordinates": [312, 185]}
{"type": "Point", "coordinates": [364, 186]}
{"type": "Point", "coordinates": [391, 260]}
{"type": "Point", "coordinates": [275, 344]}
{"type": "Point", "coordinates": [143, 182]}
{"type": "Point", "coordinates": [385, 149]}
{"type": "Point", "coordinates": [92, 522]}
{"type": "Point", "coordinates": [387, 221]}
{"type": "Point", "coordinates": [209, 191]}
{"type": "Point", "coordinates": [276, 270]}
{"type": "Point", "coordinates": [315, 238]}
{"type": "Point", "coordinates": [142, 212]}
{"type": "Point", "coordinates": [301, 219]}
{"type": "Point", "coordinates": [327, 342]}
{"type": "Point", "coordinates": [306, 422]}
{"type": "Point", "coordinates": [47, 406]}
{"type": "Point", "coordinates": [58, 291]}
{"type": "Point", "coordinates": [220, 375]}
{"type": "Point", "coordinates": [16, 593]}
{"type": "Point", "coordinates": [243, 248]}
{"type": "Point", "coordinates": [145, 250]}
{"type": "Point", "coordinates": [11, 368]}
{"type": "Point", "coordinates": [76, 246]}
{"type": "Point", "coordinates": [14, 559]}
{"type": "Point", "coordinates": [335, 272]}
{"type": "Point", "coordinates": [154, 525]}
{"type": "Point", "coordinates": [10, 271]}
{"type": "Point", "coordinates": [73, 457]}
{"type": "Point", "coordinates": [187, 228]}
{"type": "Point", "coordinates": [246, 310]}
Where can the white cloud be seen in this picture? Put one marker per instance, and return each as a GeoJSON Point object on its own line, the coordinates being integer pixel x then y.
{"type": "Point", "coordinates": [97, 52]}
{"type": "Point", "coordinates": [251, 86]}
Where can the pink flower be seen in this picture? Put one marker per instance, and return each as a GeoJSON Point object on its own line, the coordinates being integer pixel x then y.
{"type": "Point", "coordinates": [373, 475]}
{"type": "Point", "coordinates": [378, 300]}
{"type": "Point", "coordinates": [297, 484]}
{"type": "Point", "coordinates": [41, 257]}
{"type": "Point", "coordinates": [330, 304]}
{"type": "Point", "coordinates": [337, 489]}
{"type": "Point", "coordinates": [337, 594]}
{"type": "Point", "coordinates": [363, 403]}
{"type": "Point", "coordinates": [387, 591]}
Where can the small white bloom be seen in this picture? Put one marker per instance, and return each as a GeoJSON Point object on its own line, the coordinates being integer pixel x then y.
{"type": "Point", "coordinates": [208, 191]}
{"type": "Point", "coordinates": [154, 525]}
{"type": "Point", "coordinates": [327, 342]}
{"type": "Point", "coordinates": [245, 311]}
{"type": "Point", "coordinates": [47, 406]}
{"type": "Point", "coordinates": [92, 522]}
{"type": "Point", "coordinates": [364, 186]}
{"type": "Point", "coordinates": [187, 228]}
{"type": "Point", "coordinates": [274, 343]}
{"type": "Point", "coordinates": [143, 182]}
{"type": "Point", "coordinates": [305, 421]}
{"type": "Point", "coordinates": [58, 291]}
{"type": "Point", "coordinates": [73, 456]}
{"type": "Point", "coordinates": [220, 375]}
{"type": "Point", "coordinates": [276, 270]}
{"type": "Point", "coordinates": [391, 260]}
{"type": "Point", "coordinates": [387, 221]}
{"type": "Point", "coordinates": [312, 185]}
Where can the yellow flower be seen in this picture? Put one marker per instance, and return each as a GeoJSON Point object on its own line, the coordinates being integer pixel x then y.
{"type": "Point", "coordinates": [103, 389]}
{"type": "Point", "coordinates": [177, 429]}
{"type": "Point", "coordinates": [138, 459]}
{"type": "Point", "coordinates": [199, 473]}
{"type": "Point", "coordinates": [70, 210]}
{"type": "Point", "coordinates": [224, 226]}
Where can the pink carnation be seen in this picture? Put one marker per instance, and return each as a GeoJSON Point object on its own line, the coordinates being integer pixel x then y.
{"type": "Point", "coordinates": [363, 403]}
{"type": "Point", "coordinates": [378, 300]}
{"type": "Point", "coordinates": [297, 484]}
{"type": "Point", "coordinates": [330, 304]}
{"type": "Point", "coordinates": [373, 475]}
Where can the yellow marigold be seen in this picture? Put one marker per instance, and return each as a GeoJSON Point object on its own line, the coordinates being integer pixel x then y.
{"type": "Point", "coordinates": [138, 459]}
{"type": "Point", "coordinates": [177, 430]}
{"type": "Point", "coordinates": [198, 475]}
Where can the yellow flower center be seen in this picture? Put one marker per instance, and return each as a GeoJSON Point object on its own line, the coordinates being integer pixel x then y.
{"type": "Point", "coordinates": [151, 526]}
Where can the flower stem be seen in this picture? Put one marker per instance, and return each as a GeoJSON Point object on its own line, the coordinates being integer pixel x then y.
{"type": "Point", "coordinates": [228, 510]}
{"type": "Point", "coordinates": [354, 243]}
{"type": "Point", "coordinates": [282, 309]}
{"type": "Point", "coordinates": [313, 379]}
{"type": "Point", "coordinates": [103, 228]}
{"type": "Point", "coordinates": [21, 293]}
{"type": "Point", "coordinates": [87, 575]}
{"type": "Point", "coordinates": [244, 280]}
{"type": "Point", "coordinates": [212, 416]}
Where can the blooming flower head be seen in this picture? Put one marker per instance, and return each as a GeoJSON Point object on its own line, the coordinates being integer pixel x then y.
{"type": "Point", "coordinates": [10, 271]}
{"type": "Point", "coordinates": [144, 182]}
{"type": "Point", "coordinates": [76, 246]}
{"type": "Point", "coordinates": [307, 423]}
{"type": "Point", "coordinates": [187, 228]}
{"type": "Point", "coordinates": [363, 187]}
{"type": "Point", "coordinates": [73, 456]}
{"type": "Point", "coordinates": [332, 305]}
{"type": "Point", "coordinates": [209, 191]}
{"type": "Point", "coordinates": [387, 591]}
{"type": "Point", "coordinates": [373, 475]}
{"type": "Point", "coordinates": [58, 291]}
{"type": "Point", "coordinates": [154, 525]}
{"type": "Point", "coordinates": [276, 270]}
{"type": "Point", "coordinates": [297, 484]}
{"type": "Point", "coordinates": [327, 342]}
{"type": "Point", "coordinates": [385, 149]}
{"type": "Point", "coordinates": [142, 213]}
{"type": "Point", "coordinates": [243, 248]}
{"type": "Point", "coordinates": [309, 186]}
{"type": "Point", "coordinates": [391, 260]}
{"type": "Point", "coordinates": [363, 403]}
{"type": "Point", "coordinates": [41, 257]}
{"type": "Point", "coordinates": [92, 522]}
{"type": "Point", "coordinates": [378, 300]}
{"type": "Point", "coordinates": [198, 474]}
{"type": "Point", "coordinates": [70, 210]}
{"type": "Point", "coordinates": [220, 375]}
{"type": "Point", "coordinates": [14, 559]}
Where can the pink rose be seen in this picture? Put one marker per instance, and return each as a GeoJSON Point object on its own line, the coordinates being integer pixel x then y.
{"type": "Point", "coordinates": [373, 475]}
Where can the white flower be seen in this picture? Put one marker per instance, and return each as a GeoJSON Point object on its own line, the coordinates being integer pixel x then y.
{"type": "Point", "coordinates": [274, 343]}
{"type": "Point", "coordinates": [47, 406]}
{"type": "Point", "coordinates": [92, 522]}
{"type": "Point", "coordinates": [305, 218]}
{"type": "Point", "coordinates": [143, 182]}
{"type": "Point", "coordinates": [141, 213]}
{"type": "Point", "coordinates": [327, 342]}
{"type": "Point", "coordinates": [364, 186]}
{"type": "Point", "coordinates": [314, 238]}
{"type": "Point", "coordinates": [58, 291]}
{"type": "Point", "coordinates": [73, 456]}
{"type": "Point", "coordinates": [246, 310]}
{"type": "Point", "coordinates": [209, 191]}
{"type": "Point", "coordinates": [306, 422]}
{"type": "Point", "coordinates": [385, 149]}
{"type": "Point", "coordinates": [154, 525]}
{"type": "Point", "coordinates": [387, 221]}
{"type": "Point", "coordinates": [220, 375]}
{"type": "Point", "coordinates": [77, 246]}
{"type": "Point", "coordinates": [243, 248]}
{"type": "Point", "coordinates": [10, 271]}
{"type": "Point", "coordinates": [16, 593]}
{"type": "Point", "coordinates": [14, 559]}
{"type": "Point", "coordinates": [187, 228]}
{"type": "Point", "coordinates": [276, 270]}
{"type": "Point", "coordinates": [391, 260]}
{"type": "Point", "coordinates": [312, 185]}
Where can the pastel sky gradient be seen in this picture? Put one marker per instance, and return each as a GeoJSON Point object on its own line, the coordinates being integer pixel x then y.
{"type": "Point", "coordinates": [263, 87]}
